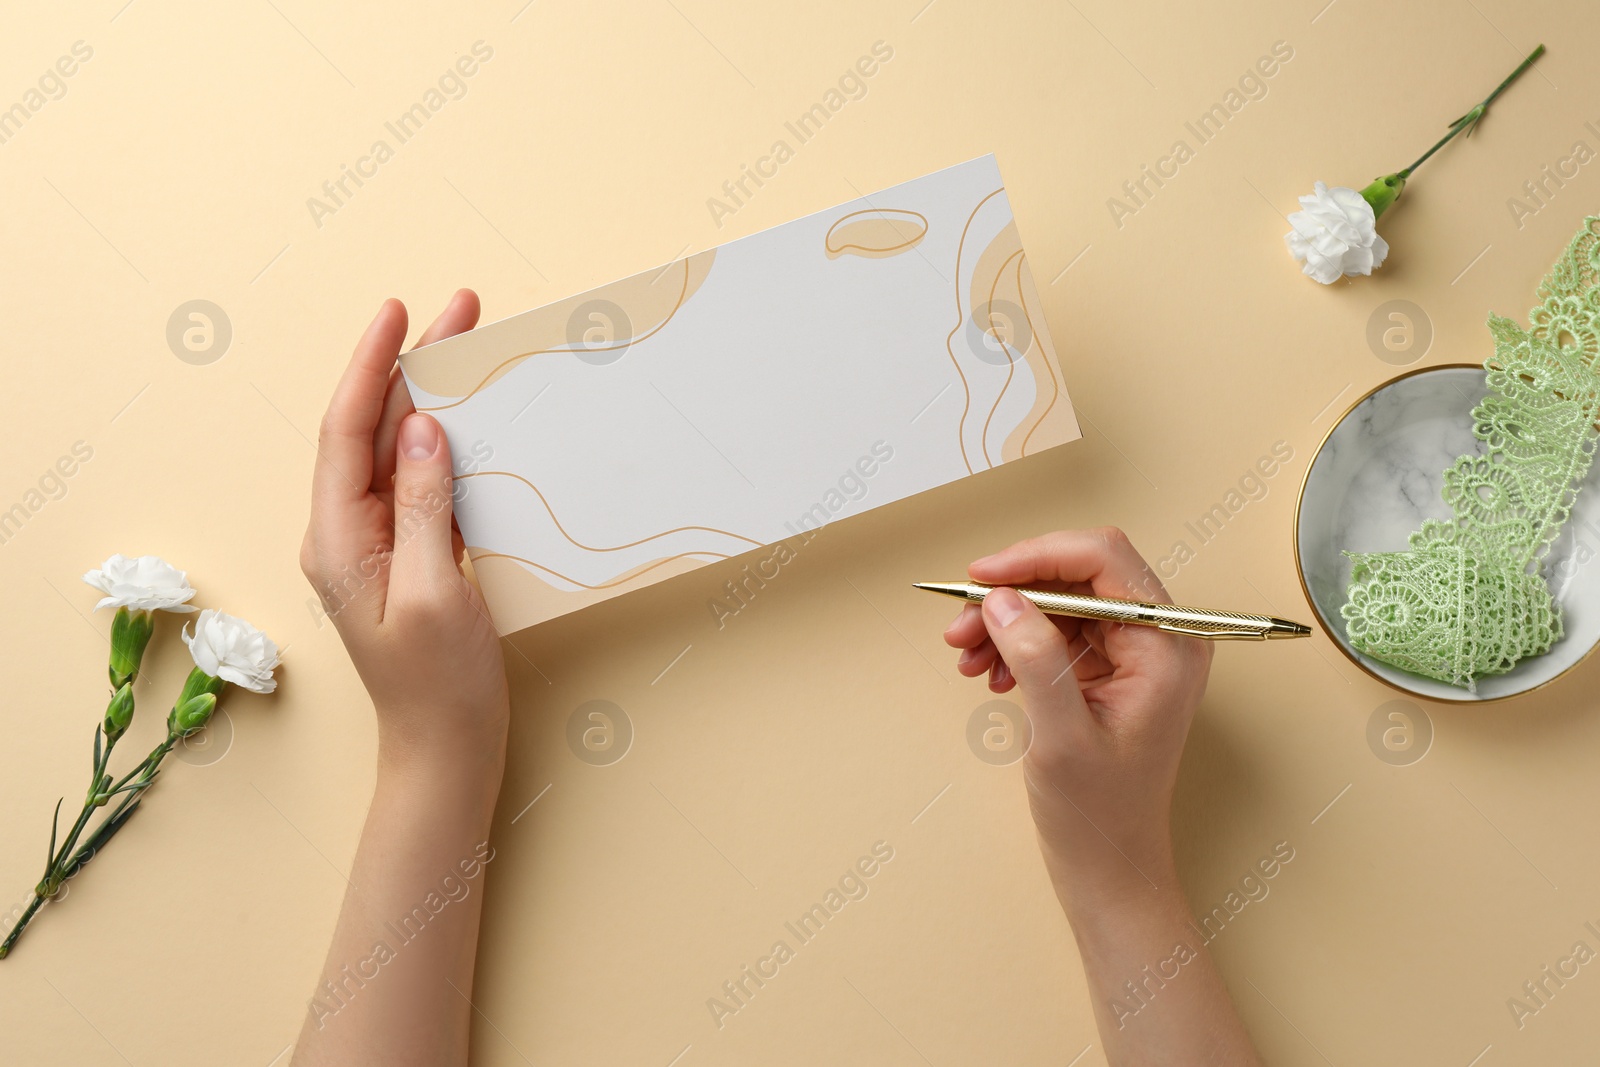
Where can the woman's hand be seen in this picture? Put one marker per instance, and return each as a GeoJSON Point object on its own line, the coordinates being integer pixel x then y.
{"type": "Point", "coordinates": [383, 553]}
{"type": "Point", "coordinates": [1110, 707]}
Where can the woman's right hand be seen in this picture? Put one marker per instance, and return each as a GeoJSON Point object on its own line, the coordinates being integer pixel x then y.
{"type": "Point", "coordinates": [1110, 706]}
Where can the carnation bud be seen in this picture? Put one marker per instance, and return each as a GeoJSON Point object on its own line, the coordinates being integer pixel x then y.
{"type": "Point", "coordinates": [130, 633]}
{"type": "Point", "coordinates": [195, 703]}
{"type": "Point", "coordinates": [199, 682]}
{"type": "Point", "coordinates": [192, 714]}
{"type": "Point", "coordinates": [119, 713]}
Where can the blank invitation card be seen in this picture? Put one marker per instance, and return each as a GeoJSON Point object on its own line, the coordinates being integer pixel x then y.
{"type": "Point", "coordinates": [745, 394]}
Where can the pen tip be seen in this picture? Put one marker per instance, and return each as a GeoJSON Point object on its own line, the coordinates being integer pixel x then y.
{"type": "Point", "coordinates": [955, 589]}
{"type": "Point", "coordinates": [1290, 628]}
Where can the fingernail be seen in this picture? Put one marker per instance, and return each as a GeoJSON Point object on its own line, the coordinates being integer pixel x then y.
{"type": "Point", "coordinates": [1003, 605]}
{"type": "Point", "coordinates": [419, 437]}
{"type": "Point", "coordinates": [981, 562]}
{"type": "Point", "coordinates": [966, 656]}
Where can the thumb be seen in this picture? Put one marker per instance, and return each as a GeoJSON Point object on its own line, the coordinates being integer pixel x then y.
{"type": "Point", "coordinates": [422, 504]}
{"type": "Point", "coordinates": [1038, 657]}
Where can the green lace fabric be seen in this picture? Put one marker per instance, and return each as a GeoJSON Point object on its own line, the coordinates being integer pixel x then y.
{"type": "Point", "coordinates": [1467, 599]}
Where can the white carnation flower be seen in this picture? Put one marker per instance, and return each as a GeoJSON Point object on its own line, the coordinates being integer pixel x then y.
{"type": "Point", "coordinates": [148, 583]}
{"type": "Point", "coordinates": [231, 649]}
{"type": "Point", "coordinates": [1336, 234]}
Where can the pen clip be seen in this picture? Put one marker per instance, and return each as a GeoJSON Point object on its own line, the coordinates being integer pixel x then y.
{"type": "Point", "coordinates": [1214, 635]}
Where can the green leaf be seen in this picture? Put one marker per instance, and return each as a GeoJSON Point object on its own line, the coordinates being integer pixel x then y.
{"type": "Point", "coordinates": [101, 836]}
{"type": "Point", "coordinates": [55, 824]}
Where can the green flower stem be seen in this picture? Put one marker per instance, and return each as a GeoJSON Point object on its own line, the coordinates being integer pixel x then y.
{"type": "Point", "coordinates": [52, 879]}
{"type": "Point", "coordinates": [130, 636]}
{"type": "Point", "coordinates": [47, 885]}
{"type": "Point", "coordinates": [151, 761]}
{"type": "Point", "coordinates": [97, 783]}
{"type": "Point", "coordinates": [16, 931]}
{"type": "Point", "coordinates": [69, 858]}
{"type": "Point", "coordinates": [1470, 119]}
{"type": "Point", "coordinates": [124, 810]}
{"type": "Point", "coordinates": [1384, 191]}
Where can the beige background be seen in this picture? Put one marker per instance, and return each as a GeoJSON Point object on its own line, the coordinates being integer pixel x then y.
{"type": "Point", "coordinates": [827, 715]}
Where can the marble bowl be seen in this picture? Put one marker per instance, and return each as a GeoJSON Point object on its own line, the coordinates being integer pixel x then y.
{"type": "Point", "coordinates": [1379, 473]}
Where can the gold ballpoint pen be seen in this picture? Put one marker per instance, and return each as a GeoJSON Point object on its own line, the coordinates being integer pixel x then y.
{"type": "Point", "coordinates": [1195, 622]}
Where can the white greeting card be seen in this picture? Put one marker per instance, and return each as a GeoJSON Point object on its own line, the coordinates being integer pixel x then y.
{"type": "Point", "coordinates": [746, 394]}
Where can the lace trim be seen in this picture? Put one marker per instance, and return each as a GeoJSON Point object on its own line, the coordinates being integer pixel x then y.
{"type": "Point", "coordinates": [1466, 600]}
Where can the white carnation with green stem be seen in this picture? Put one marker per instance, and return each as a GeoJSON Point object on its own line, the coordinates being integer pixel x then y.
{"type": "Point", "coordinates": [225, 650]}
{"type": "Point", "coordinates": [1335, 232]}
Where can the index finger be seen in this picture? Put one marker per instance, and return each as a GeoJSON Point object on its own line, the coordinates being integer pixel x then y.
{"type": "Point", "coordinates": [344, 443]}
{"type": "Point", "coordinates": [1104, 558]}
